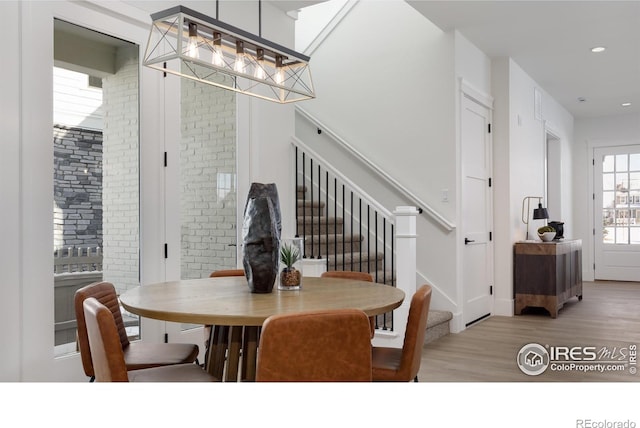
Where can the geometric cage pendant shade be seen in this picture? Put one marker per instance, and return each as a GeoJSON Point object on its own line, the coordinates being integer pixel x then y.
{"type": "Point", "coordinates": [195, 46]}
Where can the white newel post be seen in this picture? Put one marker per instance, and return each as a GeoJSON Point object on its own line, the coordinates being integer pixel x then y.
{"type": "Point", "coordinates": [405, 275]}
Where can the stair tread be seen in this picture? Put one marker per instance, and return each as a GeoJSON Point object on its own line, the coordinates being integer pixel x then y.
{"type": "Point", "coordinates": [323, 220]}
{"type": "Point", "coordinates": [437, 317]}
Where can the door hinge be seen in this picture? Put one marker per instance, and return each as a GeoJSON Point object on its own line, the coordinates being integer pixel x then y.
{"type": "Point", "coordinates": [594, 231]}
{"type": "Point", "coordinates": [164, 65]}
{"type": "Point", "coordinates": [165, 159]}
{"type": "Point", "coordinates": [489, 128]}
{"type": "Point", "coordinates": [594, 266]}
{"type": "Point", "coordinates": [491, 290]}
{"type": "Point", "coordinates": [490, 236]}
{"type": "Point", "coordinates": [489, 181]}
{"type": "Point", "coordinates": [593, 195]}
{"type": "Point", "coordinates": [593, 162]}
{"type": "Point", "coordinates": [166, 338]}
{"type": "Point", "coordinates": [166, 251]}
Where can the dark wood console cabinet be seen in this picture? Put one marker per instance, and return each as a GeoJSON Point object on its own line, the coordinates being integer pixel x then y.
{"type": "Point", "coordinates": [547, 274]}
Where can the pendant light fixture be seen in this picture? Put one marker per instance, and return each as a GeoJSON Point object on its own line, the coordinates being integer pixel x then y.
{"type": "Point", "coordinates": [197, 47]}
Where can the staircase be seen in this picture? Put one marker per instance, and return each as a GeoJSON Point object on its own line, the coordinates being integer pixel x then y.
{"type": "Point", "coordinates": [346, 248]}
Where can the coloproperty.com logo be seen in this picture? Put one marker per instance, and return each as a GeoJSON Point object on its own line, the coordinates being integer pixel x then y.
{"type": "Point", "coordinates": [534, 359]}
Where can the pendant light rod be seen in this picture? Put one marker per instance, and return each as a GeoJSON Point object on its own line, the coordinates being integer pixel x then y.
{"type": "Point", "coordinates": [260, 18]}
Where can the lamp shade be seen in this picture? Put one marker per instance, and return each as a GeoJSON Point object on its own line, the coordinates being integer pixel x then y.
{"type": "Point", "coordinates": [540, 213]}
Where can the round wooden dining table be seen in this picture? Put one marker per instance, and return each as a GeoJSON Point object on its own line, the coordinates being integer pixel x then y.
{"type": "Point", "coordinates": [238, 314]}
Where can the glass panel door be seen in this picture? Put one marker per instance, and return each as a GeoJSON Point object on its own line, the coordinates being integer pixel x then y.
{"type": "Point", "coordinates": [617, 213]}
{"type": "Point", "coordinates": [208, 180]}
{"type": "Point", "coordinates": [96, 173]}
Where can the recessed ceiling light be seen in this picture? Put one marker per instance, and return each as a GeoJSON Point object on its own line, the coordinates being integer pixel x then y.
{"type": "Point", "coordinates": [598, 49]}
{"type": "Point", "coordinates": [626, 104]}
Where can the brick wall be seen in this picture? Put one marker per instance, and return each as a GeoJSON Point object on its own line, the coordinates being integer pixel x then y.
{"type": "Point", "coordinates": [77, 212]}
{"type": "Point", "coordinates": [208, 179]}
{"type": "Point", "coordinates": [121, 173]}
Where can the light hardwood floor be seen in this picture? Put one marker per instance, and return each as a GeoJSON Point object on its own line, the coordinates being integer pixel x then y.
{"type": "Point", "coordinates": [608, 316]}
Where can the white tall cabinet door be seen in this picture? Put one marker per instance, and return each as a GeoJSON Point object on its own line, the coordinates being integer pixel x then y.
{"type": "Point", "coordinates": [617, 213]}
{"type": "Point", "coordinates": [476, 210]}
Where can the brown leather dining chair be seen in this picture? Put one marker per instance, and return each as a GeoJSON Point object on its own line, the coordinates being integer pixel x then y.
{"type": "Point", "coordinates": [108, 357]}
{"type": "Point", "coordinates": [402, 365]}
{"type": "Point", "coordinates": [137, 354]}
{"type": "Point", "coordinates": [358, 276]}
{"type": "Point", "coordinates": [318, 346]}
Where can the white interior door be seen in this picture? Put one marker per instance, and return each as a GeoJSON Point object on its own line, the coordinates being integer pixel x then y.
{"type": "Point", "coordinates": [476, 211]}
{"type": "Point", "coordinates": [617, 213]}
{"type": "Point", "coordinates": [201, 184]}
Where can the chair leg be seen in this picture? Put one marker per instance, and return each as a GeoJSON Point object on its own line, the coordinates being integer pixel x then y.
{"type": "Point", "coordinates": [415, 379]}
{"type": "Point", "coordinates": [92, 378]}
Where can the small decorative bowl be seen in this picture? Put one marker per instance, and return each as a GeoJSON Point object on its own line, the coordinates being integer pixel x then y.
{"type": "Point", "coordinates": [547, 236]}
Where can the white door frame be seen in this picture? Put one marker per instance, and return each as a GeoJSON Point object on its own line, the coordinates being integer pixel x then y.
{"type": "Point", "coordinates": [622, 272]}
{"type": "Point", "coordinates": [467, 91]}
{"type": "Point", "coordinates": [35, 319]}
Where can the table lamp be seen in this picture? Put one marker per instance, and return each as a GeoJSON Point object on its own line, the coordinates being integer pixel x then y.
{"type": "Point", "coordinates": [539, 213]}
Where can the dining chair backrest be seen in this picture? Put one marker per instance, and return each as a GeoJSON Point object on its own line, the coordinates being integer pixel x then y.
{"type": "Point", "coordinates": [102, 333]}
{"type": "Point", "coordinates": [358, 276]}
{"type": "Point", "coordinates": [348, 274]}
{"type": "Point", "coordinates": [226, 272]}
{"type": "Point", "coordinates": [318, 346]}
{"type": "Point", "coordinates": [415, 332]}
{"type": "Point", "coordinates": [392, 364]}
{"type": "Point", "coordinates": [108, 357]}
{"type": "Point", "coordinates": [106, 294]}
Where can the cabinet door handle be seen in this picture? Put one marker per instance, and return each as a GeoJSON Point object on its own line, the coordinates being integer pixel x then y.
{"type": "Point", "coordinates": [467, 240]}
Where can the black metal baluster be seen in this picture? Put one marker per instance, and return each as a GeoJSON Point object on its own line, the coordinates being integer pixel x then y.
{"type": "Point", "coordinates": [304, 201]}
{"type": "Point", "coordinates": [343, 254]}
{"type": "Point", "coordinates": [319, 210]}
{"type": "Point", "coordinates": [384, 250]}
{"type": "Point", "coordinates": [351, 243]}
{"type": "Point", "coordinates": [297, 213]}
{"type": "Point", "coordinates": [376, 262]}
{"type": "Point", "coordinates": [368, 237]}
{"type": "Point", "coordinates": [393, 271]}
{"type": "Point", "coordinates": [360, 230]}
{"type": "Point", "coordinates": [326, 229]}
{"type": "Point", "coordinates": [311, 206]}
{"type": "Point", "coordinates": [335, 222]}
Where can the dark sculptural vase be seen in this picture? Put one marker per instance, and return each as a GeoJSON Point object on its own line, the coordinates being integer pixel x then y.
{"type": "Point", "coordinates": [261, 228]}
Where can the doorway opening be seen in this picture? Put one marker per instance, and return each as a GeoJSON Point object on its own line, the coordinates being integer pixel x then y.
{"type": "Point", "coordinates": [96, 170]}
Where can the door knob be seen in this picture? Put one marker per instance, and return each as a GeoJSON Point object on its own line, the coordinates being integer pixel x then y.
{"type": "Point", "coordinates": [467, 240]}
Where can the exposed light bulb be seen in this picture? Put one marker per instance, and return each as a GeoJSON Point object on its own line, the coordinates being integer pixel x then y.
{"type": "Point", "coordinates": [217, 58]}
{"type": "Point", "coordinates": [259, 70]}
{"type": "Point", "coordinates": [239, 64]}
{"type": "Point", "coordinates": [279, 76]}
{"type": "Point", "coordinates": [192, 45]}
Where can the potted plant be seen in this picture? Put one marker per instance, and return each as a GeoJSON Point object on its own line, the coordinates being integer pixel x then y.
{"type": "Point", "coordinates": [546, 233]}
{"type": "Point", "coordinates": [290, 254]}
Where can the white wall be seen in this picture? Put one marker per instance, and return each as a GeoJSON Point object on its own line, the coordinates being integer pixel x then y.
{"type": "Point", "coordinates": [10, 197]}
{"type": "Point", "coordinates": [519, 158]}
{"type": "Point", "coordinates": [386, 84]}
{"type": "Point", "coordinates": [591, 133]}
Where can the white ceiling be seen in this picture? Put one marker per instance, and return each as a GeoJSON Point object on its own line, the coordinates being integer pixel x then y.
{"type": "Point", "coordinates": [551, 41]}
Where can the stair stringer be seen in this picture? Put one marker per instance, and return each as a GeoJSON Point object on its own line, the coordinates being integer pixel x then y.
{"type": "Point", "coordinates": [440, 301]}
